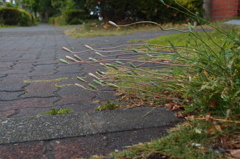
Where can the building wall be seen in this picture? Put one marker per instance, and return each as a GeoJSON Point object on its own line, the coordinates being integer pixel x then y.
{"type": "Point", "coordinates": [224, 9]}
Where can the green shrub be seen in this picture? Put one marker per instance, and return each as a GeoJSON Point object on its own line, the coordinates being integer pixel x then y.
{"type": "Point", "coordinates": [72, 17]}
{"type": "Point", "coordinates": [75, 21]}
{"type": "Point", "coordinates": [26, 19]}
{"type": "Point", "coordinates": [51, 20]}
{"type": "Point", "coordinates": [165, 13]}
{"type": "Point", "coordinates": [38, 19]}
{"type": "Point", "coordinates": [69, 15]}
{"type": "Point", "coordinates": [14, 16]}
{"type": "Point", "coordinates": [152, 10]}
{"type": "Point", "coordinates": [34, 20]}
{"type": "Point", "coordinates": [57, 20]}
{"type": "Point", "coordinates": [176, 13]}
{"type": "Point", "coordinates": [9, 16]}
{"type": "Point", "coordinates": [9, 5]}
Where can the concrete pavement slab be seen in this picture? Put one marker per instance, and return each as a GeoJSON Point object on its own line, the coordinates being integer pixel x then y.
{"type": "Point", "coordinates": [80, 147]}
{"type": "Point", "coordinates": [82, 123]}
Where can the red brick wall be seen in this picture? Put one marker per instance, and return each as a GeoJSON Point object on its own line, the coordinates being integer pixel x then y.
{"type": "Point", "coordinates": [224, 9]}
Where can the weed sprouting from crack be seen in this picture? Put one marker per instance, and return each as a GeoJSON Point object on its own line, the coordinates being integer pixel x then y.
{"type": "Point", "coordinates": [55, 111]}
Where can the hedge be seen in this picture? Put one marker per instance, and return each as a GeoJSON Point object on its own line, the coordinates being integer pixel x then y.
{"type": "Point", "coordinates": [71, 14]}
{"type": "Point", "coordinates": [14, 16]}
{"type": "Point", "coordinates": [71, 17]}
{"type": "Point", "coordinates": [152, 10]}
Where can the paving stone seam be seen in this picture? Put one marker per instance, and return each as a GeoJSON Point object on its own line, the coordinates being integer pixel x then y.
{"type": "Point", "coordinates": [34, 97]}
{"type": "Point", "coordinates": [19, 90]}
{"type": "Point", "coordinates": [16, 111]}
{"type": "Point", "coordinates": [91, 122]}
{"type": "Point", "coordinates": [39, 97]}
{"type": "Point", "coordinates": [10, 91]}
{"type": "Point", "coordinates": [59, 97]}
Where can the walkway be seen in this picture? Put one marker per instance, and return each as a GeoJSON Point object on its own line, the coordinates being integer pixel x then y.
{"type": "Point", "coordinates": [33, 53]}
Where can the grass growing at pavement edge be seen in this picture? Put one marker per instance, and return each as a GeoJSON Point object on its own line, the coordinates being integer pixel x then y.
{"type": "Point", "coordinates": [204, 85]}
{"type": "Point", "coordinates": [199, 74]}
{"type": "Point", "coordinates": [196, 73]}
{"type": "Point", "coordinates": [92, 29]}
{"type": "Point", "coordinates": [191, 139]}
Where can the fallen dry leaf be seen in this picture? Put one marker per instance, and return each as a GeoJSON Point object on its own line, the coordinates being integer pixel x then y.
{"type": "Point", "coordinates": [166, 61]}
{"type": "Point", "coordinates": [168, 106]}
{"type": "Point", "coordinates": [175, 107]}
{"type": "Point", "coordinates": [190, 117]}
{"type": "Point", "coordinates": [179, 115]}
{"type": "Point", "coordinates": [218, 128]}
{"type": "Point", "coordinates": [211, 130]}
{"type": "Point", "coordinates": [235, 153]}
{"type": "Point", "coordinates": [213, 103]}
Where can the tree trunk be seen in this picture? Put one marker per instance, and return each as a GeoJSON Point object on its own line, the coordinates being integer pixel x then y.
{"type": "Point", "coordinates": [4, 3]}
{"type": "Point", "coordinates": [46, 17]}
{"type": "Point", "coordinates": [207, 8]}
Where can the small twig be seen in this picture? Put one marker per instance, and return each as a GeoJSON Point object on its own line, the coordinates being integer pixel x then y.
{"type": "Point", "coordinates": [149, 111]}
{"type": "Point", "coordinates": [234, 115]}
{"type": "Point", "coordinates": [151, 61]}
{"type": "Point", "coordinates": [150, 22]}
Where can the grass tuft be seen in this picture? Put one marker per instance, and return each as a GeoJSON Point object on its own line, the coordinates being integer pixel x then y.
{"type": "Point", "coordinates": [201, 141]}
{"type": "Point", "coordinates": [196, 73]}
{"type": "Point", "coordinates": [101, 29]}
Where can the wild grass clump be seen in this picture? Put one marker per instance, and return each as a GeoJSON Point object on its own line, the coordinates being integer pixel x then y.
{"type": "Point", "coordinates": [107, 106]}
{"type": "Point", "coordinates": [100, 29]}
{"type": "Point", "coordinates": [200, 74]}
{"type": "Point", "coordinates": [201, 141]}
{"type": "Point", "coordinates": [195, 72]}
{"type": "Point", "coordinates": [209, 76]}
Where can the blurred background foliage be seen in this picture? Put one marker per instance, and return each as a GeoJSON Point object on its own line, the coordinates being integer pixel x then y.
{"type": "Point", "coordinates": [124, 11]}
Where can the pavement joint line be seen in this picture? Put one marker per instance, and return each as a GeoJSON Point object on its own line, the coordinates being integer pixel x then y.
{"type": "Point", "coordinates": [14, 130]}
